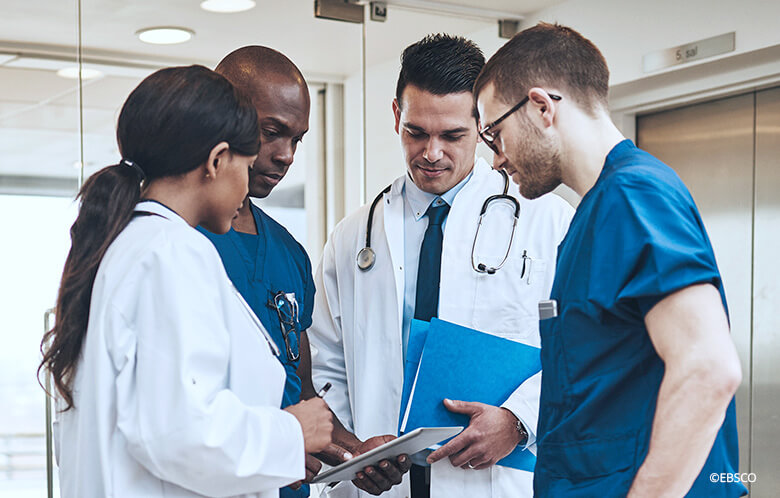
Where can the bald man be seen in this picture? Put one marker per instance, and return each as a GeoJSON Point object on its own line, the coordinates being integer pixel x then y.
{"type": "Point", "coordinates": [268, 266]}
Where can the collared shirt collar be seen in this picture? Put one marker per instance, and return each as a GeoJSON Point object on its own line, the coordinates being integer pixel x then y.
{"type": "Point", "coordinates": [419, 200]}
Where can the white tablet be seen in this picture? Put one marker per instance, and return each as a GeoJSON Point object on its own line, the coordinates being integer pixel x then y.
{"type": "Point", "coordinates": [409, 444]}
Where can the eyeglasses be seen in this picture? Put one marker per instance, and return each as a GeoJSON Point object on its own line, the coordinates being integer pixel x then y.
{"type": "Point", "coordinates": [490, 137]}
{"type": "Point", "coordinates": [286, 308]}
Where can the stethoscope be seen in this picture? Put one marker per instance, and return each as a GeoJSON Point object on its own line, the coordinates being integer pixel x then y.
{"type": "Point", "coordinates": [366, 257]}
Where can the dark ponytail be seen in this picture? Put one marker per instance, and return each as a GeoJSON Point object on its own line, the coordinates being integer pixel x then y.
{"type": "Point", "coordinates": [167, 127]}
{"type": "Point", "coordinates": [107, 201]}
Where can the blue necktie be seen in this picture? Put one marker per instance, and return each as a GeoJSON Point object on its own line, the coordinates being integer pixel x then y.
{"type": "Point", "coordinates": [426, 303]}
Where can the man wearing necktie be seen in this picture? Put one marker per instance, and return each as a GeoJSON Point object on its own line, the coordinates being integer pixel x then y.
{"type": "Point", "coordinates": [422, 232]}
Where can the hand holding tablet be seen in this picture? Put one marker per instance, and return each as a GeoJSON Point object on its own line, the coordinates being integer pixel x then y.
{"type": "Point", "coordinates": [408, 444]}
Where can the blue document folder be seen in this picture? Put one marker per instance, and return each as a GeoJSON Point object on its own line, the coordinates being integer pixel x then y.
{"type": "Point", "coordinates": [418, 332]}
{"type": "Point", "coordinates": [445, 360]}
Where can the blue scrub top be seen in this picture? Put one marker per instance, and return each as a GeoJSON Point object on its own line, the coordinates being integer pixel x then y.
{"type": "Point", "coordinates": [260, 266]}
{"type": "Point", "coordinates": [636, 237]}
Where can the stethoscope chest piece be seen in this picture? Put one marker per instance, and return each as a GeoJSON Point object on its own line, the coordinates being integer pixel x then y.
{"type": "Point", "coordinates": [366, 259]}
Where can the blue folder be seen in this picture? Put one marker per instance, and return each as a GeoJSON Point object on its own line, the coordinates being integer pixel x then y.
{"type": "Point", "coordinates": [445, 360]}
{"type": "Point", "coordinates": [418, 332]}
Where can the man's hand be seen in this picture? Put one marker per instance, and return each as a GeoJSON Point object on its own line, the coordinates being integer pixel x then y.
{"type": "Point", "coordinates": [491, 435]}
{"type": "Point", "coordinates": [333, 454]}
{"type": "Point", "coordinates": [383, 476]}
{"type": "Point", "coordinates": [313, 467]}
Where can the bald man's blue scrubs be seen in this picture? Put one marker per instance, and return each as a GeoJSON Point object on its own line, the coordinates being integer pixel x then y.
{"type": "Point", "coordinates": [636, 238]}
{"type": "Point", "coordinates": [260, 266]}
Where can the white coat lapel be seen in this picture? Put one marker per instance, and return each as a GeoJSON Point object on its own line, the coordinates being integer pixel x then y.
{"type": "Point", "coordinates": [393, 221]}
{"type": "Point", "coordinates": [458, 280]}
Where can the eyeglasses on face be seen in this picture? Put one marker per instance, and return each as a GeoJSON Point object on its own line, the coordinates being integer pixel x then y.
{"type": "Point", "coordinates": [489, 136]}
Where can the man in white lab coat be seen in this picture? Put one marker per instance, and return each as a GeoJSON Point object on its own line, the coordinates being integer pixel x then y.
{"type": "Point", "coordinates": [422, 232]}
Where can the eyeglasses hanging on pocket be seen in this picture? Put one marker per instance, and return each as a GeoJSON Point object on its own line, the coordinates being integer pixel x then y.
{"type": "Point", "coordinates": [286, 307]}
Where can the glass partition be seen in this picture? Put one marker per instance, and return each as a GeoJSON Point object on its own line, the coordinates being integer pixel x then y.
{"type": "Point", "coordinates": [40, 166]}
{"type": "Point", "coordinates": [57, 127]}
{"type": "Point", "coordinates": [111, 44]}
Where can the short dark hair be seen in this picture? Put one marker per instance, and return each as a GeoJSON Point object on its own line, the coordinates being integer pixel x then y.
{"type": "Point", "coordinates": [548, 55]}
{"type": "Point", "coordinates": [440, 64]}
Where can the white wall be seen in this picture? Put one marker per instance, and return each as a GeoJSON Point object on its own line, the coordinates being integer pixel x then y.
{"type": "Point", "coordinates": [353, 143]}
{"type": "Point", "coordinates": [624, 30]}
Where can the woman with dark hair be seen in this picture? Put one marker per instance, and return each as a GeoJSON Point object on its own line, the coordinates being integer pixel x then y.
{"type": "Point", "coordinates": [167, 382]}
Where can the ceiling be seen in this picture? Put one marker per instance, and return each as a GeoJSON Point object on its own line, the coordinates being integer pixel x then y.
{"type": "Point", "coordinates": [39, 115]}
{"type": "Point", "coordinates": [318, 46]}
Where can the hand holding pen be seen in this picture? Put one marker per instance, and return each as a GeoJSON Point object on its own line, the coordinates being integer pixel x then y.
{"type": "Point", "coordinates": [316, 422]}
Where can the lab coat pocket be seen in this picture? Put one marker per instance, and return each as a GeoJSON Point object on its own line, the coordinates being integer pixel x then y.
{"type": "Point", "coordinates": [506, 303]}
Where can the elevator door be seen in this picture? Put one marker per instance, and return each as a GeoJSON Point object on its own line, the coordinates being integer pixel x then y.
{"type": "Point", "coordinates": [733, 175]}
{"type": "Point", "coordinates": [766, 298]}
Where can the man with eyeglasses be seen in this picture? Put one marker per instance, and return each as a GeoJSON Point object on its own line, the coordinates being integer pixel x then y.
{"type": "Point", "coordinates": [267, 265]}
{"type": "Point", "coordinates": [639, 366]}
{"type": "Point", "coordinates": [422, 233]}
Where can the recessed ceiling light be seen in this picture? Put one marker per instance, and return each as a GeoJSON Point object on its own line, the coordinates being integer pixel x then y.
{"type": "Point", "coordinates": [72, 73]}
{"type": "Point", "coordinates": [164, 35]}
{"type": "Point", "coordinates": [227, 6]}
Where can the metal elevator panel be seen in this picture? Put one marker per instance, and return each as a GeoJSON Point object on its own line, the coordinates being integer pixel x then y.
{"type": "Point", "coordinates": [766, 298]}
{"type": "Point", "coordinates": [711, 146]}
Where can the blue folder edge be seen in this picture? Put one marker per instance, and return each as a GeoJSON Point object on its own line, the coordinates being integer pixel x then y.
{"type": "Point", "coordinates": [469, 357]}
{"type": "Point", "coordinates": [418, 333]}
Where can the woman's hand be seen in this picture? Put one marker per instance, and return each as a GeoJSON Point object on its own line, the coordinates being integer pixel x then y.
{"type": "Point", "coordinates": [316, 421]}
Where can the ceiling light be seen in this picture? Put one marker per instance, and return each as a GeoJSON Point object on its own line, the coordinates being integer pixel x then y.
{"type": "Point", "coordinates": [72, 73]}
{"type": "Point", "coordinates": [164, 35]}
{"type": "Point", "coordinates": [227, 6]}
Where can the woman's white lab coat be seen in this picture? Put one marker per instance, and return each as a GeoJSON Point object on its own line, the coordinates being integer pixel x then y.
{"type": "Point", "coordinates": [356, 335]}
{"type": "Point", "coordinates": [176, 392]}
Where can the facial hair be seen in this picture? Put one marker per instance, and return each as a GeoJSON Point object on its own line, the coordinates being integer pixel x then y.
{"type": "Point", "coordinates": [539, 168]}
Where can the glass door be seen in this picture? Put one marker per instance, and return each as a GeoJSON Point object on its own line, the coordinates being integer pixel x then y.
{"type": "Point", "coordinates": [40, 168]}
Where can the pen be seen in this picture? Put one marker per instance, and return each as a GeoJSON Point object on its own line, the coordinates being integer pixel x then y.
{"type": "Point", "coordinates": [324, 390]}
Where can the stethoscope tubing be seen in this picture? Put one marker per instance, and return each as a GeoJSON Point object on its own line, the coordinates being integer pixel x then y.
{"type": "Point", "coordinates": [367, 257]}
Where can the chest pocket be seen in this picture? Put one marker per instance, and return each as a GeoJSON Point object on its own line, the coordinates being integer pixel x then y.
{"type": "Point", "coordinates": [283, 317]}
{"type": "Point", "coordinates": [506, 303]}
